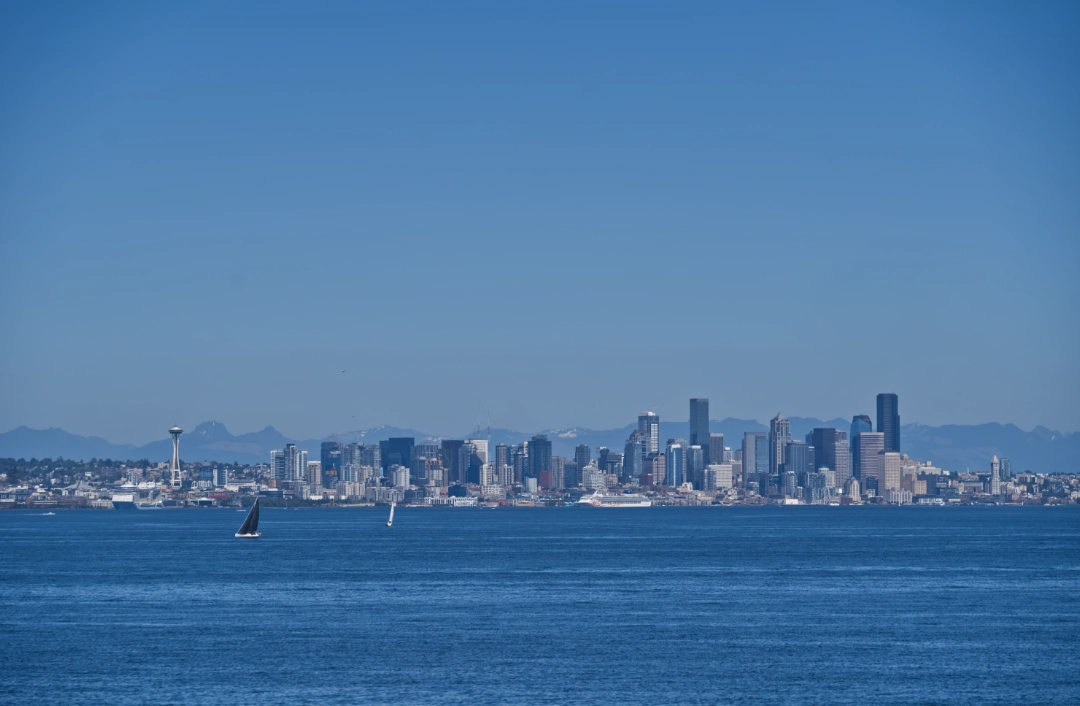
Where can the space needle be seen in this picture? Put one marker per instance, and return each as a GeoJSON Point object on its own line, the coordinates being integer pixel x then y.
{"type": "Point", "coordinates": [174, 465]}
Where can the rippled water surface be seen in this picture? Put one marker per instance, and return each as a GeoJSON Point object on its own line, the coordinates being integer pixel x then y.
{"type": "Point", "coordinates": [560, 606]}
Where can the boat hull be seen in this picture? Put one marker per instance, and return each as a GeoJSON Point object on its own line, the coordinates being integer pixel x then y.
{"type": "Point", "coordinates": [248, 536]}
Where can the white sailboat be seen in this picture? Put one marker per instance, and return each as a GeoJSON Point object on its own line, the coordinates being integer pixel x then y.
{"type": "Point", "coordinates": [250, 528]}
{"type": "Point", "coordinates": [390, 522]}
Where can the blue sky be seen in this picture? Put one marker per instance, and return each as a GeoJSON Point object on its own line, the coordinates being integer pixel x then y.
{"type": "Point", "coordinates": [557, 213]}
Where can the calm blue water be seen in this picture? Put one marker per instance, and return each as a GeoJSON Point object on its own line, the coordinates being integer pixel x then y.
{"type": "Point", "coordinates": [581, 606]}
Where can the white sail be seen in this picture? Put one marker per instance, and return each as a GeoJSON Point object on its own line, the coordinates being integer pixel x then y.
{"type": "Point", "coordinates": [390, 522]}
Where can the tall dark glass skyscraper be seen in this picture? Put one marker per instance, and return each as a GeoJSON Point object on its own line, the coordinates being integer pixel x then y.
{"type": "Point", "coordinates": [699, 425]}
{"type": "Point", "coordinates": [888, 420]}
{"type": "Point", "coordinates": [539, 455]}
{"type": "Point", "coordinates": [824, 442]}
{"type": "Point", "coordinates": [582, 455]}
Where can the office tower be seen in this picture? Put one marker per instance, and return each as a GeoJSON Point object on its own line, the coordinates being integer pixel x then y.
{"type": "Point", "coordinates": [888, 471]}
{"type": "Point", "coordinates": [995, 476]}
{"type": "Point", "coordinates": [634, 454]}
{"type": "Point", "coordinates": [502, 456]}
{"type": "Point", "coordinates": [221, 476]}
{"type": "Point", "coordinates": [371, 456]}
{"type": "Point", "coordinates": [798, 459]}
{"type": "Point", "coordinates": [864, 455]}
{"type": "Point", "coordinates": [695, 466]}
{"type": "Point", "coordinates": [699, 424]}
{"type": "Point", "coordinates": [675, 467]}
{"type": "Point", "coordinates": [571, 474]}
{"type": "Point", "coordinates": [582, 455]}
{"type": "Point", "coordinates": [788, 484]}
{"type": "Point", "coordinates": [277, 465]}
{"type": "Point", "coordinates": [397, 451]}
{"type": "Point", "coordinates": [655, 467]}
{"type": "Point", "coordinates": [602, 453]}
{"type": "Point", "coordinates": [539, 455]}
{"type": "Point", "coordinates": [521, 462]}
{"type": "Point", "coordinates": [313, 473]}
{"type": "Point", "coordinates": [779, 436]}
{"type": "Point", "coordinates": [350, 454]}
{"type": "Point", "coordinates": [859, 424]}
{"type": "Point", "coordinates": [330, 457]}
{"type": "Point", "coordinates": [175, 478]}
{"type": "Point", "coordinates": [715, 452]}
{"type": "Point", "coordinates": [449, 449]}
{"type": "Point", "coordinates": [649, 422]}
{"type": "Point", "coordinates": [1006, 468]}
{"type": "Point", "coordinates": [399, 475]}
{"type": "Point", "coordinates": [824, 442]}
{"type": "Point", "coordinates": [558, 472]}
{"type": "Point", "coordinates": [481, 449]}
{"type": "Point", "coordinates": [888, 420]}
{"type": "Point", "coordinates": [842, 459]}
{"type": "Point", "coordinates": [755, 455]}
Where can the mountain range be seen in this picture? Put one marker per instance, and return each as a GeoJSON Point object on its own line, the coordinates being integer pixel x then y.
{"type": "Point", "coordinates": [953, 447]}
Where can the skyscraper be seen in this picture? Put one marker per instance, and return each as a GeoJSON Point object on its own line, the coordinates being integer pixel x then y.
{"type": "Point", "coordinates": [649, 422]}
{"type": "Point", "coordinates": [539, 455]}
{"type": "Point", "coordinates": [888, 420]}
{"type": "Point", "coordinates": [888, 471]}
{"type": "Point", "coordinates": [859, 424]}
{"type": "Point", "coordinates": [582, 456]}
{"type": "Point", "coordinates": [330, 457]}
{"type": "Point", "coordinates": [779, 436]}
{"type": "Point", "coordinates": [864, 455]}
{"type": "Point", "coordinates": [824, 442]}
{"type": "Point", "coordinates": [842, 459]}
{"type": "Point", "coordinates": [634, 454]}
{"type": "Point", "coordinates": [675, 468]}
{"type": "Point", "coordinates": [695, 466]}
{"type": "Point", "coordinates": [451, 459]}
{"type": "Point", "coordinates": [699, 424]}
{"type": "Point", "coordinates": [797, 458]}
{"type": "Point", "coordinates": [715, 453]}
{"type": "Point", "coordinates": [755, 456]}
{"type": "Point", "coordinates": [995, 476]}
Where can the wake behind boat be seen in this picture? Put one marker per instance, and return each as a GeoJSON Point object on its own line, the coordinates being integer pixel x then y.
{"type": "Point", "coordinates": [250, 528]}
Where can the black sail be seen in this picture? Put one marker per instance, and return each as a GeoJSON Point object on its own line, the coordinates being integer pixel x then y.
{"type": "Point", "coordinates": [251, 522]}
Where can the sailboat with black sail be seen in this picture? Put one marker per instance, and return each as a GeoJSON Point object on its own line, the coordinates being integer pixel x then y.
{"type": "Point", "coordinates": [250, 528]}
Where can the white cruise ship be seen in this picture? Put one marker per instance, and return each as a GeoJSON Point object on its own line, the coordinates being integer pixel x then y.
{"type": "Point", "coordinates": [598, 499]}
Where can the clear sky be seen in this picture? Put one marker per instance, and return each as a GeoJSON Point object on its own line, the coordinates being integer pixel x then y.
{"type": "Point", "coordinates": [557, 213]}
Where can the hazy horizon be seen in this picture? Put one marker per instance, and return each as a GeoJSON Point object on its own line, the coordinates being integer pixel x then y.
{"type": "Point", "coordinates": [348, 215]}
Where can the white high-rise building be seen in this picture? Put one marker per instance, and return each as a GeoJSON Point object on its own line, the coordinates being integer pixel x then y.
{"type": "Point", "coordinates": [995, 476]}
{"type": "Point", "coordinates": [481, 446]}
